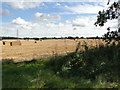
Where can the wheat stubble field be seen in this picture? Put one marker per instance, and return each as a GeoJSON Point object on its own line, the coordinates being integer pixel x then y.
{"type": "Point", "coordinates": [29, 50]}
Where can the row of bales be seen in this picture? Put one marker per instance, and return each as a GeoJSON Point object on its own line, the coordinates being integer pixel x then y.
{"type": "Point", "coordinates": [98, 42]}
{"type": "Point", "coordinates": [16, 42]}
{"type": "Point", "coordinates": [11, 43]}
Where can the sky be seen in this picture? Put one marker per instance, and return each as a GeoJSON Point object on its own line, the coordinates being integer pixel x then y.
{"type": "Point", "coordinates": [52, 18]}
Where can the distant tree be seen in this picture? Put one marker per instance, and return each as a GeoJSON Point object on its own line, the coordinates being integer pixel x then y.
{"type": "Point", "coordinates": [54, 38]}
{"type": "Point", "coordinates": [77, 37]}
{"type": "Point", "coordinates": [96, 37]}
{"type": "Point", "coordinates": [9, 38]}
{"type": "Point", "coordinates": [26, 38]}
{"type": "Point", "coordinates": [66, 37]}
{"type": "Point", "coordinates": [112, 12]}
{"type": "Point", "coordinates": [36, 38]}
{"type": "Point", "coordinates": [43, 38]}
{"type": "Point", "coordinates": [69, 37]}
{"type": "Point", "coordinates": [82, 37]}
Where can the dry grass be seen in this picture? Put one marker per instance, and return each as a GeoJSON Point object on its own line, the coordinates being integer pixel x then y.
{"type": "Point", "coordinates": [42, 49]}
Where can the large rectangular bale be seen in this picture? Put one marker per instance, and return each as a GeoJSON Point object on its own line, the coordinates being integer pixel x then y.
{"type": "Point", "coordinates": [14, 43]}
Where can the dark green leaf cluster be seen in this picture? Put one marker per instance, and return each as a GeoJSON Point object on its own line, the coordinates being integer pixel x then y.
{"type": "Point", "coordinates": [110, 13]}
{"type": "Point", "coordinates": [113, 12]}
{"type": "Point", "coordinates": [110, 35]}
{"type": "Point", "coordinates": [93, 62]}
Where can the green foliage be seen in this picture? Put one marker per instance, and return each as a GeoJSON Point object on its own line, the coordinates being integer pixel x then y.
{"type": "Point", "coordinates": [94, 68]}
{"type": "Point", "coordinates": [111, 13]}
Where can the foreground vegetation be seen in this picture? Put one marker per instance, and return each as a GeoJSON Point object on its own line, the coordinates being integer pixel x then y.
{"type": "Point", "coordinates": [94, 68]}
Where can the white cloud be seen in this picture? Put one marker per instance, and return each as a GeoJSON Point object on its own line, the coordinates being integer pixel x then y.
{"type": "Point", "coordinates": [24, 24]}
{"type": "Point", "coordinates": [86, 8]}
{"type": "Point", "coordinates": [5, 12]}
{"type": "Point", "coordinates": [7, 29]}
{"type": "Point", "coordinates": [51, 25]}
{"type": "Point", "coordinates": [58, 4]}
{"type": "Point", "coordinates": [84, 27]}
{"type": "Point", "coordinates": [85, 24]}
{"type": "Point", "coordinates": [66, 6]}
{"type": "Point", "coordinates": [46, 17]}
{"type": "Point", "coordinates": [80, 22]}
{"type": "Point", "coordinates": [24, 5]}
{"type": "Point", "coordinates": [19, 21]}
{"type": "Point", "coordinates": [88, 22]}
{"type": "Point", "coordinates": [43, 4]}
{"type": "Point", "coordinates": [90, 8]}
{"type": "Point", "coordinates": [67, 21]}
{"type": "Point", "coordinates": [60, 0]}
{"type": "Point", "coordinates": [61, 24]}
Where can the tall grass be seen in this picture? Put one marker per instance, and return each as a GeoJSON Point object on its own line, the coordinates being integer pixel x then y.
{"type": "Point", "coordinates": [93, 68]}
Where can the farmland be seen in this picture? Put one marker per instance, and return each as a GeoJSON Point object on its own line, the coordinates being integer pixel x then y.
{"type": "Point", "coordinates": [31, 49]}
{"type": "Point", "coordinates": [93, 68]}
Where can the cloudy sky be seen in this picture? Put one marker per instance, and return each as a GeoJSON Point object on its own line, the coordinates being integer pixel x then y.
{"type": "Point", "coordinates": [52, 18]}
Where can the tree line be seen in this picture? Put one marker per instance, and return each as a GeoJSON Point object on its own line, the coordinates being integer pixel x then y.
{"type": "Point", "coordinates": [44, 38]}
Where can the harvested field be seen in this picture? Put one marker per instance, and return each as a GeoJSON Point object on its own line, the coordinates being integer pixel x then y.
{"type": "Point", "coordinates": [31, 49]}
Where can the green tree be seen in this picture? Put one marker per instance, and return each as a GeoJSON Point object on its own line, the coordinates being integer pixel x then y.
{"type": "Point", "coordinates": [112, 12]}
